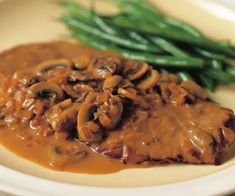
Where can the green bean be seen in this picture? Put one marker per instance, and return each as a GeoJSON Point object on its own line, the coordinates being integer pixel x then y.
{"type": "Point", "coordinates": [79, 13]}
{"type": "Point", "coordinates": [130, 22]}
{"type": "Point", "coordinates": [87, 15]}
{"type": "Point", "coordinates": [187, 28]}
{"type": "Point", "coordinates": [88, 41]}
{"type": "Point", "coordinates": [90, 17]}
{"type": "Point", "coordinates": [220, 76]}
{"type": "Point", "coordinates": [108, 28]}
{"type": "Point", "coordinates": [173, 35]}
{"type": "Point", "coordinates": [170, 21]}
{"type": "Point", "coordinates": [102, 25]}
{"type": "Point", "coordinates": [225, 43]}
{"type": "Point", "coordinates": [76, 8]}
{"type": "Point", "coordinates": [79, 25]}
{"type": "Point", "coordinates": [216, 65]}
{"type": "Point", "coordinates": [164, 61]}
{"type": "Point", "coordinates": [207, 82]}
{"type": "Point", "coordinates": [144, 5]}
{"type": "Point", "coordinates": [230, 70]}
{"type": "Point", "coordinates": [140, 10]}
{"type": "Point", "coordinates": [144, 9]}
{"type": "Point", "coordinates": [168, 46]}
{"type": "Point", "coordinates": [143, 33]}
{"type": "Point", "coordinates": [137, 37]}
{"type": "Point", "coordinates": [209, 54]}
{"type": "Point", "coordinates": [184, 75]}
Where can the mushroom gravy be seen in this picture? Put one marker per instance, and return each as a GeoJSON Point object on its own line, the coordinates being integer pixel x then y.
{"type": "Point", "coordinates": [71, 108]}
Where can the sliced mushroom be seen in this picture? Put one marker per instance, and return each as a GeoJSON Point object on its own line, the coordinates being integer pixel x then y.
{"type": "Point", "coordinates": [104, 67]}
{"type": "Point", "coordinates": [2, 122]}
{"type": "Point", "coordinates": [78, 91]}
{"type": "Point", "coordinates": [112, 83]}
{"type": "Point", "coordinates": [53, 64]}
{"type": "Point", "coordinates": [132, 95]}
{"type": "Point", "coordinates": [83, 88]}
{"type": "Point", "coordinates": [91, 97]}
{"type": "Point", "coordinates": [70, 91]}
{"type": "Point", "coordinates": [88, 130]}
{"type": "Point", "coordinates": [46, 90]}
{"type": "Point", "coordinates": [81, 99]}
{"type": "Point", "coordinates": [79, 76]}
{"type": "Point", "coordinates": [77, 106]}
{"type": "Point", "coordinates": [21, 76]}
{"type": "Point", "coordinates": [97, 98]}
{"type": "Point", "coordinates": [35, 79]}
{"type": "Point", "coordinates": [126, 84]}
{"type": "Point", "coordinates": [64, 104]}
{"type": "Point", "coordinates": [64, 121]}
{"type": "Point", "coordinates": [62, 154]}
{"type": "Point", "coordinates": [135, 70]}
{"type": "Point", "coordinates": [81, 62]}
{"type": "Point", "coordinates": [150, 81]}
{"type": "Point", "coordinates": [194, 88]}
{"type": "Point", "coordinates": [167, 78]}
{"type": "Point", "coordinates": [110, 112]}
{"type": "Point", "coordinates": [59, 109]}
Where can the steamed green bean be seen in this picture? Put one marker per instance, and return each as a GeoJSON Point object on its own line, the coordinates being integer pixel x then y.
{"type": "Point", "coordinates": [141, 32]}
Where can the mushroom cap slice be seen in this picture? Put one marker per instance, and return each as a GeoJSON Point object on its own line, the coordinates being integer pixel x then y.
{"type": "Point", "coordinates": [97, 98]}
{"type": "Point", "coordinates": [85, 113]}
{"type": "Point", "coordinates": [80, 62]}
{"type": "Point", "coordinates": [64, 121]}
{"type": "Point", "coordinates": [70, 91]}
{"type": "Point", "coordinates": [112, 82]}
{"type": "Point", "coordinates": [62, 154]}
{"type": "Point", "coordinates": [135, 70]}
{"type": "Point", "coordinates": [64, 104]}
{"type": "Point", "coordinates": [77, 91]}
{"type": "Point", "coordinates": [150, 81]}
{"type": "Point", "coordinates": [131, 94]}
{"type": "Point", "coordinates": [79, 76]}
{"type": "Point", "coordinates": [53, 64]}
{"type": "Point", "coordinates": [83, 88]}
{"type": "Point", "coordinates": [46, 90]}
{"type": "Point", "coordinates": [91, 97]}
{"type": "Point", "coordinates": [110, 112]}
{"type": "Point", "coordinates": [88, 130]}
{"type": "Point", "coordinates": [194, 88]}
{"type": "Point", "coordinates": [104, 67]}
{"type": "Point", "coordinates": [35, 79]}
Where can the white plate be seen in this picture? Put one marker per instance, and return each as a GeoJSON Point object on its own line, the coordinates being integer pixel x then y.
{"type": "Point", "coordinates": [28, 21]}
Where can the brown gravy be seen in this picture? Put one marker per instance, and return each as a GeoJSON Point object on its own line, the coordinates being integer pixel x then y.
{"type": "Point", "coordinates": [32, 147]}
{"type": "Point", "coordinates": [162, 118]}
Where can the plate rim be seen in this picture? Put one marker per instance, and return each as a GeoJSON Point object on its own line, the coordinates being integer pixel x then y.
{"type": "Point", "coordinates": [20, 183]}
{"type": "Point", "coordinates": [221, 182]}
